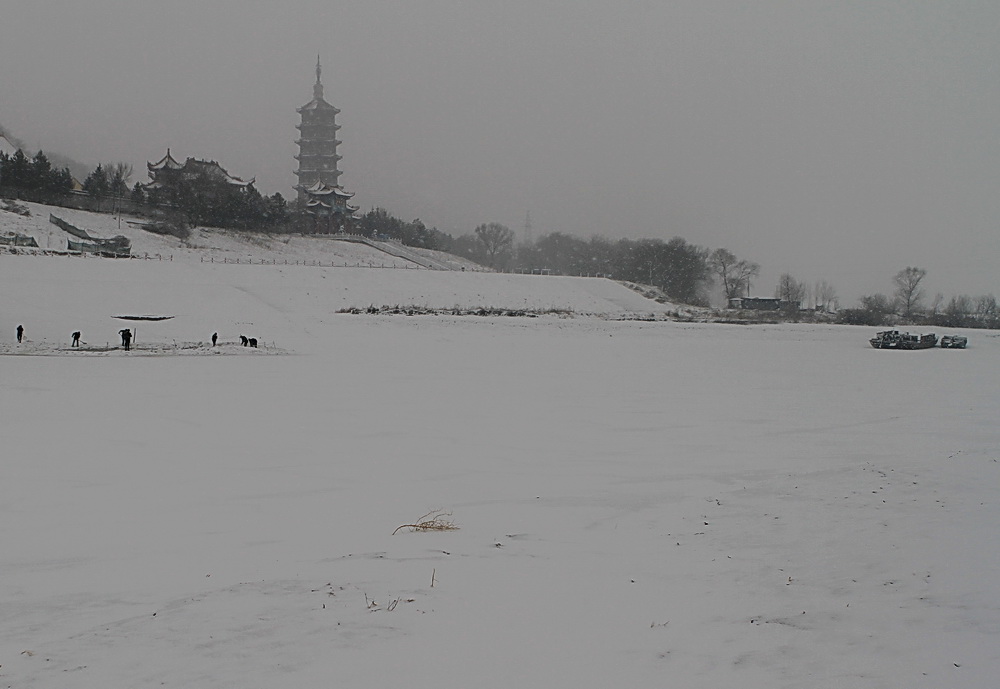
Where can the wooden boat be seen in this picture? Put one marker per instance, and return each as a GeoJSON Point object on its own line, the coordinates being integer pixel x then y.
{"type": "Point", "coordinates": [954, 341]}
{"type": "Point", "coordinates": [893, 339]}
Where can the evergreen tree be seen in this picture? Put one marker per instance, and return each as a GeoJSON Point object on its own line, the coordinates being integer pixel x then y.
{"type": "Point", "coordinates": [97, 184]}
{"type": "Point", "coordinates": [17, 171]}
{"type": "Point", "coordinates": [39, 171]}
{"type": "Point", "coordinates": [138, 195]}
{"type": "Point", "coordinates": [58, 182]}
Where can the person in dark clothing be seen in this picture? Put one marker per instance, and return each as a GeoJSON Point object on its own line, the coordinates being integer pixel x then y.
{"type": "Point", "coordinates": [253, 342]}
{"type": "Point", "coordinates": [126, 339]}
{"type": "Point", "coordinates": [20, 332]}
{"type": "Point", "coordinates": [244, 341]}
{"type": "Point", "coordinates": [121, 333]}
{"type": "Point", "coordinates": [76, 339]}
{"type": "Point", "coordinates": [215, 338]}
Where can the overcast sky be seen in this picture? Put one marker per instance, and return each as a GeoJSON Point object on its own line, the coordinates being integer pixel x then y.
{"type": "Point", "coordinates": [833, 140]}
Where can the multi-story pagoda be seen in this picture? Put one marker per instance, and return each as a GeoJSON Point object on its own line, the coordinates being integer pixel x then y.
{"type": "Point", "coordinates": [319, 188]}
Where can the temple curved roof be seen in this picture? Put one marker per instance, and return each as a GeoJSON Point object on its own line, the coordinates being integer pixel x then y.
{"type": "Point", "coordinates": [162, 169]}
{"type": "Point", "coordinates": [167, 162]}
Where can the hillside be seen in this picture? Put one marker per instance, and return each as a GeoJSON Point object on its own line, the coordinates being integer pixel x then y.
{"type": "Point", "coordinates": [55, 295]}
{"type": "Point", "coordinates": [212, 244]}
{"type": "Point", "coordinates": [200, 283]}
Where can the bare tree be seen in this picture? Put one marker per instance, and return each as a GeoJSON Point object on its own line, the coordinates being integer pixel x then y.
{"type": "Point", "coordinates": [826, 296]}
{"type": "Point", "coordinates": [119, 175]}
{"type": "Point", "coordinates": [496, 239]}
{"type": "Point", "coordinates": [878, 304]}
{"type": "Point", "coordinates": [986, 307]}
{"type": "Point", "coordinates": [936, 303]}
{"type": "Point", "coordinates": [734, 273]}
{"type": "Point", "coordinates": [789, 289]}
{"type": "Point", "coordinates": [959, 310]}
{"type": "Point", "coordinates": [908, 291]}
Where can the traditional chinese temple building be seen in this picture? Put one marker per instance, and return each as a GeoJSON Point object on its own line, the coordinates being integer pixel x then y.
{"type": "Point", "coordinates": [166, 173]}
{"type": "Point", "coordinates": [320, 193]}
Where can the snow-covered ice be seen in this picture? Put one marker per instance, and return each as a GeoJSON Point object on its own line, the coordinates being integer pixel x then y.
{"type": "Point", "coordinates": [640, 504]}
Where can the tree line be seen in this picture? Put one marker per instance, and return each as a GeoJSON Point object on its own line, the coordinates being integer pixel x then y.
{"type": "Point", "coordinates": [907, 303]}
{"type": "Point", "coordinates": [34, 179]}
{"type": "Point", "coordinates": [201, 199]}
{"type": "Point", "coordinates": [683, 271]}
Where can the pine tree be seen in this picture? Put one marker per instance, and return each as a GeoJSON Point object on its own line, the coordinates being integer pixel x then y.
{"type": "Point", "coordinates": [97, 184]}
{"type": "Point", "coordinates": [17, 171]}
{"type": "Point", "coordinates": [58, 182]}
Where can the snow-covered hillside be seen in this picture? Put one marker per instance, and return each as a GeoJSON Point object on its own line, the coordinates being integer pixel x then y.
{"type": "Point", "coordinates": [211, 244]}
{"type": "Point", "coordinates": [53, 296]}
{"type": "Point", "coordinates": [639, 504]}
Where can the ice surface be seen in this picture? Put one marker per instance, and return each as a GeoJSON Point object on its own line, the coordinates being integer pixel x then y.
{"type": "Point", "coordinates": [641, 504]}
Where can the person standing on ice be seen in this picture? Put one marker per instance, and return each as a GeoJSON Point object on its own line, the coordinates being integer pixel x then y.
{"type": "Point", "coordinates": [20, 333]}
{"type": "Point", "coordinates": [215, 337]}
{"type": "Point", "coordinates": [126, 339]}
{"type": "Point", "coordinates": [76, 339]}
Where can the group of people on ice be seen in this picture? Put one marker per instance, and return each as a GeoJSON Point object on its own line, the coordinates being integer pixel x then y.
{"type": "Point", "coordinates": [124, 333]}
{"type": "Point", "coordinates": [127, 335]}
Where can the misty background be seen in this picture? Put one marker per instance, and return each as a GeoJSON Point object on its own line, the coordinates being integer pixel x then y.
{"type": "Point", "coordinates": [837, 141]}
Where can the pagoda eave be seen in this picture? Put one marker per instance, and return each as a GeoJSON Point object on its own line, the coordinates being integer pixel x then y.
{"type": "Point", "coordinates": [317, 125]}
{"type": "Point", "coordinates": [311, 140]}
{"type": "Point", "coordinates": [317, 106]}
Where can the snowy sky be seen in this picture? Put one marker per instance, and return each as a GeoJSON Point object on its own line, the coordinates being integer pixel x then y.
{"type": "Point", "coordinates": [839, 141]}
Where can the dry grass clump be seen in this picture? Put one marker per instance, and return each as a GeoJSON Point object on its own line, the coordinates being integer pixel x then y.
{"type": "Point", "coordinates": [435, 520]}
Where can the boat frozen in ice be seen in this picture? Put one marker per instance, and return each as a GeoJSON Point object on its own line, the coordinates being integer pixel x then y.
{"type": "Point", "coordinates": [954, 341]}
{"type": "Point", "coordinates": [893, 339]}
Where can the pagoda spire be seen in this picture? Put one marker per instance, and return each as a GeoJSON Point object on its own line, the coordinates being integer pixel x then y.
{"type": "Point", "coordinates": [318, 86]}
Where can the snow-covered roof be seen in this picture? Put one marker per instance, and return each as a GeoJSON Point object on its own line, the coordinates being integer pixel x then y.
{"type": "Point", "coordinates": [166, 162]}
{"type": "Point", "coordinates": [318, 104]}
{"type": "Point", "coordinates": [321, 188]}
